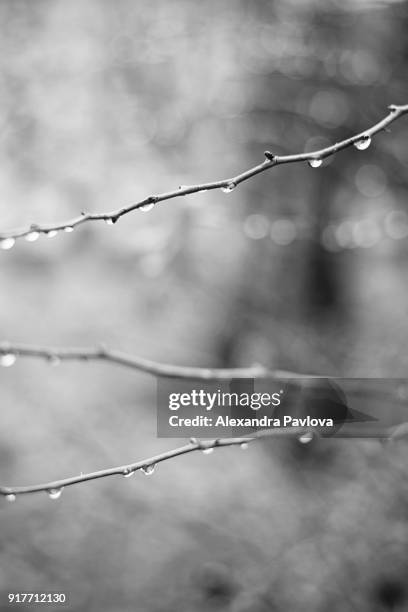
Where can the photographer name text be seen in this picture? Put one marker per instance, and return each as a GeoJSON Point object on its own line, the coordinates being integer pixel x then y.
{"type": "Point", "coordinates": [226, 421]}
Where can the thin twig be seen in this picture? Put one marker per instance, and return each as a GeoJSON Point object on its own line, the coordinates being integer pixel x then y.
{"type": "Point", "coordinates": [33, 231]}
{"type": "Point", "coordinates": [10, 352]}
{"type": "Point", "coordinates": [55, 355]}
{"type": "Point", "coordinates": [55, 487]}
{"type": "Point", "coordinates": [127, 469]}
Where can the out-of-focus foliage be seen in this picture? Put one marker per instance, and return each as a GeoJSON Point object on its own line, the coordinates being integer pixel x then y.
{"type": "Point", "coordinates": [105, 102]}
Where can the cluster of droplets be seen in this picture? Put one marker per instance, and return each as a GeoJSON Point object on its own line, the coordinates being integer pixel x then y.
{"type": "Point", "coordinates": [33, 235]}
{"type": "Point", "coordinates": [147, 470]}
{"type": "Point", "coordinates": [53, 493]}
{"type": "Point", "coordinates": [207, 450]}
{"type": "Point", "coordinates": [361, 144]}
{"type": "Point", "coordinates": [9, 358]}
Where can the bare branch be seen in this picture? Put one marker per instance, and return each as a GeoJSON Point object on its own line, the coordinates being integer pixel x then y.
{"type": "Point", "coordinates": [10, 352]}
{"type": "Point", "coordinates": [147, 466]}
{"type": "Point", "coordinates": [125, 470]}
{"type": "Point", "coordinates": [361, 141]}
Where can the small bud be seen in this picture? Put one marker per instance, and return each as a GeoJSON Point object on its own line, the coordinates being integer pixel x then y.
{"type": "Point", "coordinates": [270, 156]}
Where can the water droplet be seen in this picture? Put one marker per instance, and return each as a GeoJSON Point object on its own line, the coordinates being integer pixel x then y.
{"type": "Point", "coordinates": [147, 207]}
{"type": "Point", "coordinates": [109, 221]}
{"type": "Point", "coordinates": [228, 188]}
{"type": "Point", "coordinates": [244, 446]}
{"type": "Point", "coordinates": [315, 163]}
{"type": "Point", "coordinates": [208, 451]}
{"type": "Point", "coordinates": [193, 441]}
{"type": "Point", "coordinates": [10, 497]}
{"type": "Point", "coordinates": [51, 233]}
{"type": "Point", "coordinates": [8, 359]}
{"type": "Point", "coordinates": [363, 144]}
{"type": "Point", "coordinates": [128, 472]}
{"type": "Point", "coordinates": [54, 493]}
{"type": "Point", "coordinates": [68, 229]}
{"type": "Point", "coordinates": [7, 243]}
{"type": "Point", "coordinates": [32, 236]}
{"type": "Point", "coordinates": [306, 437]}
{"type": "Point", "coordinates": [148, 470]}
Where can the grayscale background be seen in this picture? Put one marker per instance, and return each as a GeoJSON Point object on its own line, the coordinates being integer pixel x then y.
{"type": "Point", "coordinates": [103, 103]}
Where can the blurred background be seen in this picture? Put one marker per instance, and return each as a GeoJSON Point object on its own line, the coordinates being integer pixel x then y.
{"type": "Point", "coordinates": [103, 103]}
